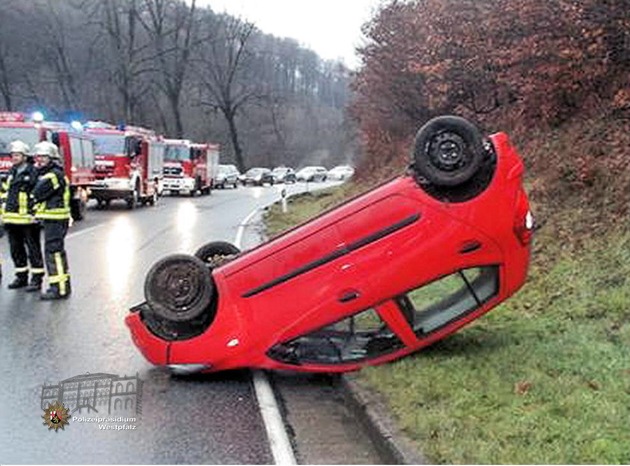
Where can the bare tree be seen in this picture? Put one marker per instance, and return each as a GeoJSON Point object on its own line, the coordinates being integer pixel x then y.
{"type": "Point", "coordinates": [222, 75]}
{"type": "Point", "coordinates": [129, 55]}
{"type": "Point", "coordinates": [173, 33]}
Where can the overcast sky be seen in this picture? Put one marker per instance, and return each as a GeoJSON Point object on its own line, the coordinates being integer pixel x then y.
{"type": "Point", "coordinates": [332, 28]}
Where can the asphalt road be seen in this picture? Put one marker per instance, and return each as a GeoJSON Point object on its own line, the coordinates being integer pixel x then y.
{"type": "Point", "coordinates": [204, 419]}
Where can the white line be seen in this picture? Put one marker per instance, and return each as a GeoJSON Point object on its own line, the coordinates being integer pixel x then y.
{"type": "Point", "coordinates": [277, 435]}
{"type": "Point", "coordinates": [278, 439]}
{"type": "Point", "coordinates": [87, 230]}
{"type": "Point", "coordinates": [241, 228]}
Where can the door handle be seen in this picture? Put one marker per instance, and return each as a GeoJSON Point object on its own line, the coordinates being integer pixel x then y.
{"type": "Point", "coordinates": [348, 295]}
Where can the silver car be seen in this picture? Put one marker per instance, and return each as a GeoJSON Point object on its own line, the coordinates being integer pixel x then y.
{"type": "Point", "coordinates": [312, 174]}
{"type": "Point", "coordinates": [340, 172]}
{"type": "Point", "coordinates": [227, 175]}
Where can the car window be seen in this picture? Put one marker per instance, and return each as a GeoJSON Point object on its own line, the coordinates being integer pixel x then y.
{"type": "Point", "coordinates": [355, 338]}
{"type": "Point", "coordinates": [440, 302]}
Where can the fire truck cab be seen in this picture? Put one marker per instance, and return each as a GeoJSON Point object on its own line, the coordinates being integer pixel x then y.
{"type": "Point", "coordinates": [76, 149]}
{"type": "Point", "coordinates": [128, 164]}
{"type": "Point", "coordinates": [189, 167]}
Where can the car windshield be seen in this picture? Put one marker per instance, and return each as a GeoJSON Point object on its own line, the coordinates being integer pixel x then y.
{"type": "Point", "coordinates": [225, 169]}
{"type": "Point", "coordinates": [109, 144]}
{"type": "Point", "coordinates": [29, 136]}
{"type": "Point", "coordinates": [254, 171]}
{"type": "Point", "coordinates": [177, 152]}
{"type": "Point", "coordinates": [279, 171]}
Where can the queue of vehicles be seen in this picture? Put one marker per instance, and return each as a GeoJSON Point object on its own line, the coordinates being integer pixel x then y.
{"type": "Point", "coordinates": [136, 165]}
{"type": "Point", "coordinates": [228, 175]}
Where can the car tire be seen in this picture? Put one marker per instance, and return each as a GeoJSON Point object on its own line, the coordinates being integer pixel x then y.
{"type": "Point", "coordinates": [179, 288]}
{"type": "Point", "coordinates": [216, 253]}
{"type": "Point", "coordinates": [448, 151]}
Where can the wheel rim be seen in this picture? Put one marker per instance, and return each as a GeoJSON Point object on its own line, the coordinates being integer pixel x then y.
{"type": "Point", "coordinates": [447, 151]}
{"type": "Point", "coordinates": [179, 286]}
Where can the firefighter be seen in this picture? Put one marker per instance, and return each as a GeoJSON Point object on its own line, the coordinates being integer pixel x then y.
{"type": "Point", "coordinates": [22, 228]}
{"type": "Point", "coordinates": [1, 224]}
{"type": "Point", "coordinates": [52, 197]}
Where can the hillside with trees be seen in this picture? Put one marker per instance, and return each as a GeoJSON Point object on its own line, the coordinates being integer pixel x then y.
{"type": "Point", "coordinates": [180, 69]}
{"type": "Point", "coordinates": [554, 74]}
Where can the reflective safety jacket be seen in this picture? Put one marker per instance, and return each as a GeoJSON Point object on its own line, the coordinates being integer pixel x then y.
{"type": "Point", "coordinates": [17, 203]}
{"type": "Point", "coordinates": [52, 194]}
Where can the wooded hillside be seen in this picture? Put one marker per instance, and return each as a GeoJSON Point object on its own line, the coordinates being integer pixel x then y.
{"type": "Point", "coordinates": [553, 73]}
{"type": "Point", "coordinates": [180, 69]}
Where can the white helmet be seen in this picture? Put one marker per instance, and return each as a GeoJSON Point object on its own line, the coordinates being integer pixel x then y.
{"type": "Point", "coordinates": [19, 147]}
{"type": "Point", "coordinates": [48, 149]}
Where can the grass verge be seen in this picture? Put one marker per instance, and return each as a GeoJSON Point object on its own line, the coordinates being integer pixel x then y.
{"type": "Point", "coordinates": [542, 379]}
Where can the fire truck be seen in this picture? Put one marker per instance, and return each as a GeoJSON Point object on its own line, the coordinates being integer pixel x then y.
{"type": "Point", "coordinates": [76, 149]}
{"type": "Point", "coordinates": [128, 166]}
{"type": "Point", "coordinates": [190, 167]}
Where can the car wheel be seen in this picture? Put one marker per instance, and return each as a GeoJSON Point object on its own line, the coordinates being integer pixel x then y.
{"type": "Point", "coordinates": [448, 151]}
{"type": "Point", "coordinates": [216, 253]}
{"type": "Point", "coordinates": [179, 288]}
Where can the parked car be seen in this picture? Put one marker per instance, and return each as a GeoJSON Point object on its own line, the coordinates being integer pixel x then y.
{"type": "Point", "coordinates": [384, 275]}
{"type": "Point", "coordinates": [312, 174]}
{"type": "Point", "coordinates": [284, 175]}
{"type": "Point", "coordinates": [340, 172]}
{"type": "Point", "coordinates": [227, 175]}
{"type": "Point", "coordinates": [258, 176]}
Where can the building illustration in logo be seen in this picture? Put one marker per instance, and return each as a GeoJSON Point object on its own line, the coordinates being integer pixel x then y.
{"type": "Point", "coordinates": [99, 393]}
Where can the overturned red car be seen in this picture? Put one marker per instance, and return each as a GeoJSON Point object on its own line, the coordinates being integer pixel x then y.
{"type": "Point", "coordinates": [375, 279]}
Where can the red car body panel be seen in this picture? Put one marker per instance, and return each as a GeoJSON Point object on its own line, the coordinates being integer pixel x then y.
{"type": "Point", "coordinates": [361, 255]}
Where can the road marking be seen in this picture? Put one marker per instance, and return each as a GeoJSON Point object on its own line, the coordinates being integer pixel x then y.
{"type": "Point", "coordinates": [241, 228]}
{"type": "Point", "coordinates": [278, 439]}
{"type": "Point", "coordinates": [276, 433]}
{"type": "Point", "coordinates": [87, 230]}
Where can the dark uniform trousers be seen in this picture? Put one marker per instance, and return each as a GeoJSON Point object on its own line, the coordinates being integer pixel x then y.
{"type": "Point", "coordinates": [23, 231]}
{"type": "Point", "coordinates": [23, 238]}
{"type": "Point", "coordinates": [52, 198]}
{"type": "Point", "coordinates": [55, 255]}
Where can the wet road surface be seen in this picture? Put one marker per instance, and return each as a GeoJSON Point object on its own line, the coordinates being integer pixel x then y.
{"type": "Point", "coordinates": [203, 419]}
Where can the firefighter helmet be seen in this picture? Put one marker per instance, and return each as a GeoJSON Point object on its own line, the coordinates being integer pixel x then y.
{"type": "Point", "coordinates": [19, 147]}
{"type": "Point", "coordinates": [48, 149]}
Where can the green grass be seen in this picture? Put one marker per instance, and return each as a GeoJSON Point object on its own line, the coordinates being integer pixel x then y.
{"type": "Point", "coordinates": [543, 378]}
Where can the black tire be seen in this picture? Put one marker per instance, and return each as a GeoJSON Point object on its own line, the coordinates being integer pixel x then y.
{"type": "Point", "coordinates": [179, 288]}
{"type": "Point", "coordinates": [215, 253]}
{"type": "Point", "coordinates": [153, 199]}
{"type": "Point", "coordinates": [77, 209]}
{"type": "Point", "coordinates": [132, 201]}
{"type": "Point", "coordinates": [448, 151]}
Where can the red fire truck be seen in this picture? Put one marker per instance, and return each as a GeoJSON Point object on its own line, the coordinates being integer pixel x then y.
{"type": "Point", "coordinates": [76, 148]}
{"type": "Point", "coordinates": [128, 165]}
{"type": "Point", "coordinates": [189, 167]}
